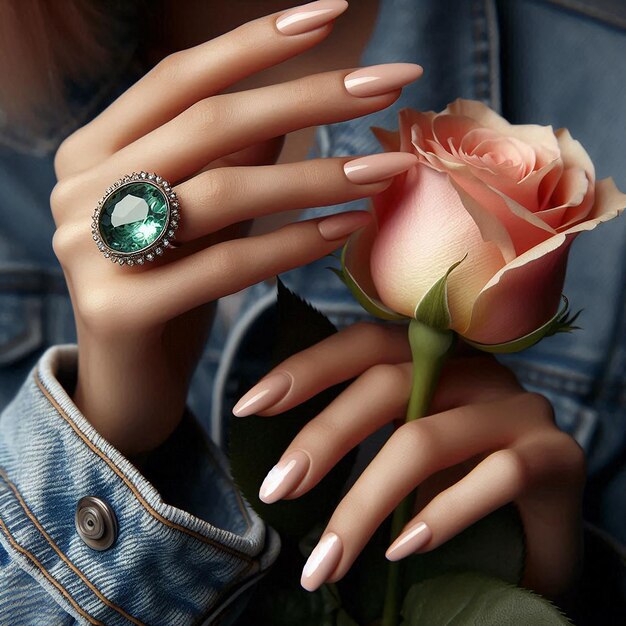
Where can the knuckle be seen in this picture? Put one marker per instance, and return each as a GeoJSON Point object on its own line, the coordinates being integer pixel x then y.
{"type": "Point", "coordinates": [538, 406]}
{"type": "Point", "coordinates": [65, 153]}
{"type": "Point", "coordinates": [170, 67]}
{"type": "Point", "coordinates": [510, 464]}
{"type": "Point", "coordinates": [219, 186]}
{"type": "Point", "coordinates": [571, 455]}
{"type": "Point", "coordinates": [62, 194]}
{"type": "Point", "coordinates": [225, 257]}
{"type": "Point", "coordinates": [414, 439]}
{"type": "Point", "coordinates": [385, 376]}
{"type": "Point", "coordinates": [371, 332]}
{"type": "Point", "coordinates": [65, 241]}
{"type": "Point", "coordinates": [206, 114]}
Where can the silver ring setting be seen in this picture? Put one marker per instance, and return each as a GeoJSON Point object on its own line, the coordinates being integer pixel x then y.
{"type": "Point", "coordinates": [136, 219]}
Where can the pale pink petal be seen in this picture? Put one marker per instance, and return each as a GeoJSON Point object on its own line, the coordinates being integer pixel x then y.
{"type": "Point", "coordinates": [423, 229]}
{"type": "Point", "coordinates": [573, 153]}
{"type": "Point", "coordinates": [522, 296]}
{"type": "Point", "coordinates": [541, 138]}
{"type": "Point", "coordinates": [525, 294]}
{"type": "Point", "coordinates": [571, 201]}
{"type": "Point", "coordinates": [413, 124]}
{"type": "Point", "coordinates": [497, 215]}
{"type": "Point", "coordinates": [609, 203]}
{"type": "Point", "coordinates": [450, 129]}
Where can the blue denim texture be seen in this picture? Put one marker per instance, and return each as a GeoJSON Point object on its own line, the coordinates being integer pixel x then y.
{"type": "Point", "coordinates": [188, 546]}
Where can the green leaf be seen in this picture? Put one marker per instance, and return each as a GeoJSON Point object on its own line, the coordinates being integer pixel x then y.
{"type": "Point", "coordinates": [256, 443]}
{"type": "Point", "coordinates": [471, 598]}
{"type": "Point", "coordinates": [562, 322]}
{"type": "Point", "coordinates": [432, 309]}
{"type": "Point", "coordinates": [494, 546]}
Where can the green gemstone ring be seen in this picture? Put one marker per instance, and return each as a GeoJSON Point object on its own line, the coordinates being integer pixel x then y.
{"type": "Point", "coordinates": [136, 219]}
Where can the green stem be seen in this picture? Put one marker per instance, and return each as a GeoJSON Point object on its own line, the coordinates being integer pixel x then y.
{"type": "Point", "coordinates": [430, 348]}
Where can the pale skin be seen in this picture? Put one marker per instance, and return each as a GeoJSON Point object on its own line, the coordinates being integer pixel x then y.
{"type": "Point", "coordinates": [141, 330]}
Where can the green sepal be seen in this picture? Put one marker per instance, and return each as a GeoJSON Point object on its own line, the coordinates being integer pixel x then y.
{"type": "Point", "coordinates": [562, 322]}
{"type": "Point", "coordinates": [432, 310]}
{"type": "Point", "coordinates": [373, 307]}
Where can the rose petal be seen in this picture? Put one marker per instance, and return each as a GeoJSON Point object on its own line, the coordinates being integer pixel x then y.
{"type": "Point", "coordinates": [357, 263]}
{"type": "Point", "coordinates": [509, 306]}
{"type": "Point", "coordinates": [511, 226]}
{"type": "Point", "coordinates": [521, 296]}
{"type": "Point", "coordinates": [451, 129]}
{"type": "Point", "coordinates": [541, 138]}
{"type": "Point", "coordinates": [573, 153]}
{"type": "Point", "coordinates": [423, 229]}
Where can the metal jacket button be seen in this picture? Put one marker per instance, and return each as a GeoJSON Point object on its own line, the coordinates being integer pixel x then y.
{"type": "Point", "coordinates": [96, 522]}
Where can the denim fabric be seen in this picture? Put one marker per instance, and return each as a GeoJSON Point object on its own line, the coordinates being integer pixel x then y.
{"type": "Point", "coordinates": [186, 547]}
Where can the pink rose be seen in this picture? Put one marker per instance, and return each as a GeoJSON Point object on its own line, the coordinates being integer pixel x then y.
{"type": "Point", "coordinates": [510, 197]}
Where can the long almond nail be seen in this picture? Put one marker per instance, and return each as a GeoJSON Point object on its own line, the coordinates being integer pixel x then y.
{"type": "Point", "coordinates": [284, 477]}
{"type": "Point", "coordinates": [310, 16]}
{"type": "Point", "coordinates": [379, 79]}
{"type": "Point", "coordinates": [322, 562]}
{"type": "Point", "coordinates": [409, 541]}
{"type": "Point", "coordinates": [341, 225]}
{"type": "Point", "coordinates": [263, 395]}
{"type": "Point", "coordinates": [377, 167]}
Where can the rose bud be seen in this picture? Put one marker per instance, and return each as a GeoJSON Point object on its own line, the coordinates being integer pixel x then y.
{"type": "Point", "coordinates": [504, 200]}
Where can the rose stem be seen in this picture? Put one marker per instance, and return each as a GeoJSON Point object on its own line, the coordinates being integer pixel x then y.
{"type": "Point", "coordinates": [430, 348]}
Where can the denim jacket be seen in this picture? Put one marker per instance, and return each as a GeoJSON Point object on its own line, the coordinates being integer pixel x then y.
{"type": "Point", "coordinates": [187, 547]}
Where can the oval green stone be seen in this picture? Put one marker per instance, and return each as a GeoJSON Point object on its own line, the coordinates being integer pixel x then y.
{"type": "Point", "coordinates": [133, 217]}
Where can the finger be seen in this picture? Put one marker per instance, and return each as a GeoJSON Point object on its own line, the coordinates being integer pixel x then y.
{"type": "Point", "coordinates": [185, 77]}
{"type": "Point", "coordinates": [173, 288]}
{"type": "Point", "coordinates": [414, 452]}
{"type": "Point", "coordinates": [550, 509]}
{"type": "Point", "coordinates": [340, 357]}
{"type": "Point", "coordinates": [220, 197]}
{"type": "Point", "coordinates": [227, 123]}
{"type": "Point", "coordinates": [373, 400]}
{"type": "Point", "coordinates": [378, 396]}
{"type": "Point", "coordinates": [536, 473]}
{"type": "Point", "coordinates": [355, 349]}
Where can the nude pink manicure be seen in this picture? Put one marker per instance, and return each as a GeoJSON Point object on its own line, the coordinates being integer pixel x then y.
{"type": "Point", "coordinates": [410, 541]}
{"type": "Point", "coordinates": [343, 224]}
{"type": "Point", "coordinates": [377, 167]}
{"type": "Point", "coordinates": [284, 477]}
{"type": "Point", "coordinates": [380, 79]}
{"type": "Point", "coordinates": [263, 395]}
{"type": "Point", "coordinates": [322, 562]}
{"type": "Point", "coordinates": [310, 16]}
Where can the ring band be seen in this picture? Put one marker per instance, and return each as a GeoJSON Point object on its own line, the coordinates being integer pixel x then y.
{"type": "Point", "coordinates": [136, 219]}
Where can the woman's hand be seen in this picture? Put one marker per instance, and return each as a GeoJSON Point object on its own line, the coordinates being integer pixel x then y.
{"type": "Point", "coordinates": [141, 329]}
{"type": "Point", "coordinates": [486, 442]}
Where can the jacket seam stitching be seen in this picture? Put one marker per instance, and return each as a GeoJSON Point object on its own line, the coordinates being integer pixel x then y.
{"type": "Point", "coordinates": [137, 494]}
{"type": "Point", "coordinates": [64, 592]}
{"type": "Point", "coordinates": [49, 539]}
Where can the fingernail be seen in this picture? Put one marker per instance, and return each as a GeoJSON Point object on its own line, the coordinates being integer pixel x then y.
{"type": "Point", "coordinates": [338, 226]}
{"type": "Point", "coordinates": [263, 395]}
{"type": "Point", "coordinates": [322, 562]}
{"type": "Point", "coordinates": [379, 79]}
{"type": "Point", "coordinates": [310, 16]}
{"type": "Point", "coordinates": [377, 167]}
{"type": "Point", "coordinates": [409, 541]}
{"type": "Point", "coordinates": [284, 477]}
